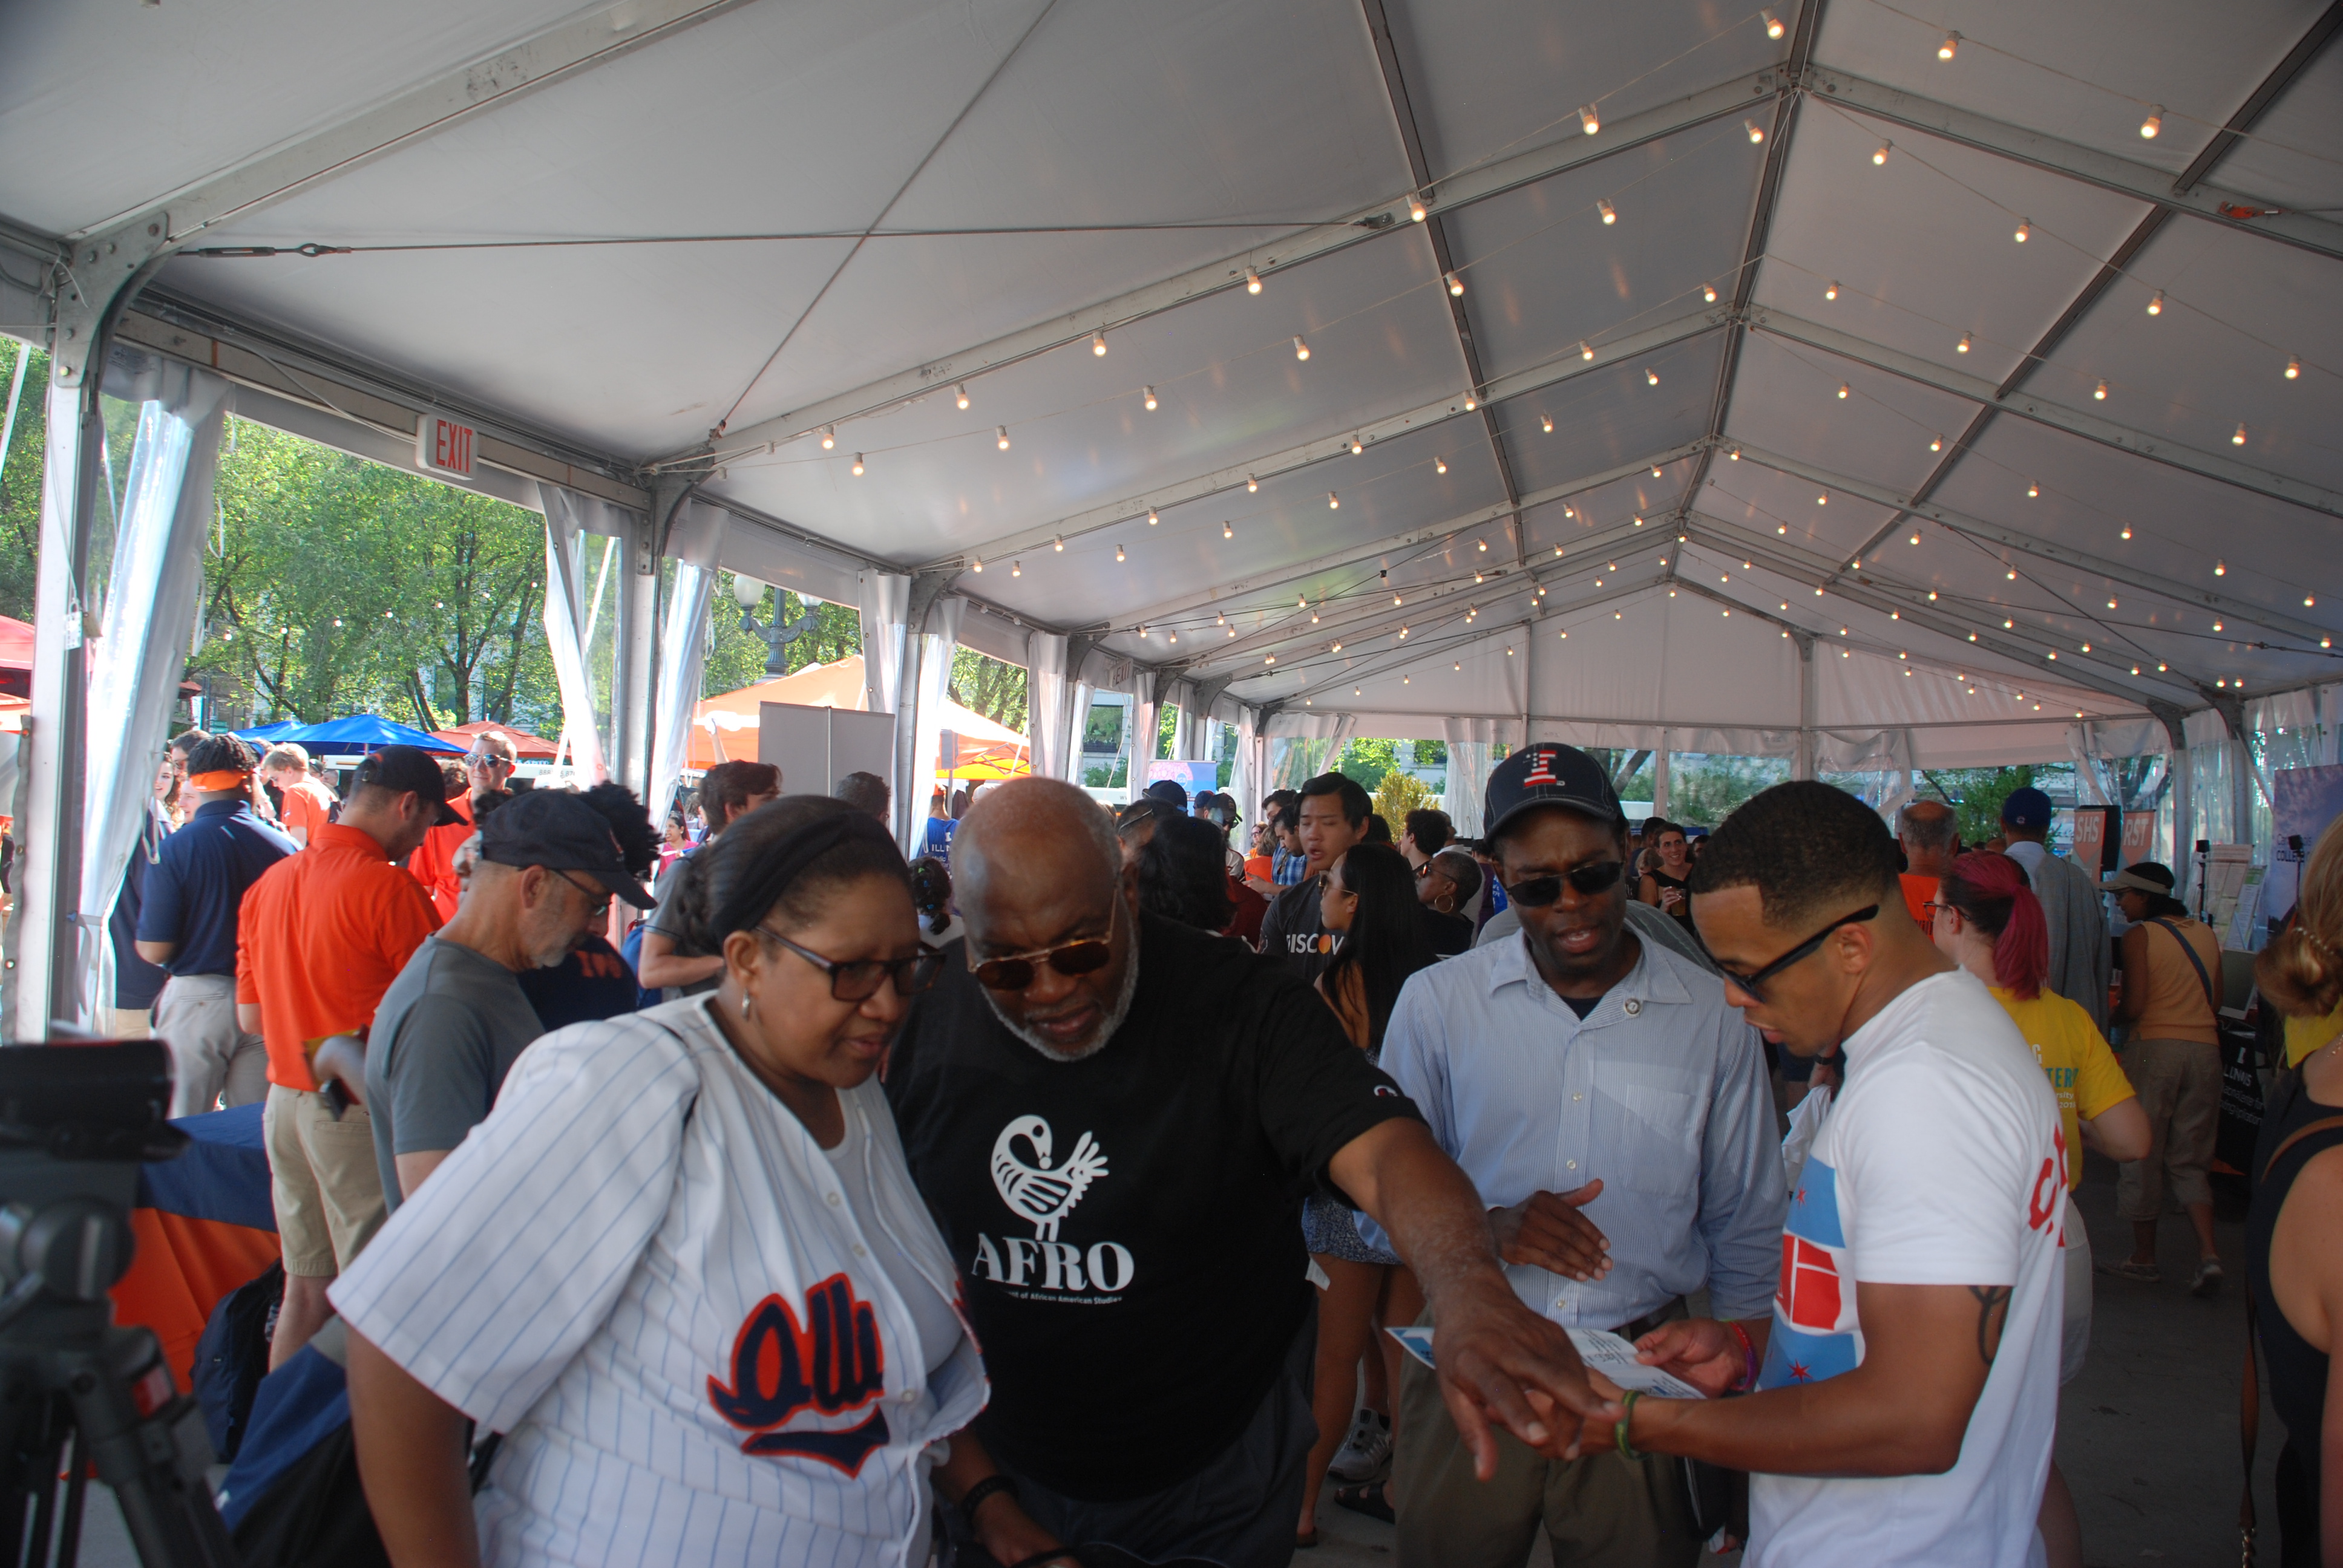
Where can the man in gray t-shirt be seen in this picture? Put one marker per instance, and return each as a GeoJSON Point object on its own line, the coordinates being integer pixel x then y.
{"type": "Point", "coordinates": [452, 1023]}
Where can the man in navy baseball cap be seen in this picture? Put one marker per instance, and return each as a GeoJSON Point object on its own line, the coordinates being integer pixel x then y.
{"type": "Point", "coordinates": [2028, 809]}
{"type": "Point", "coordinates": [2081, 959]}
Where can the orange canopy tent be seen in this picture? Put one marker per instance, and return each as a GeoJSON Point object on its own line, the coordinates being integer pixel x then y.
{"type": "Point", "coordinates": [527, 748]}
{"type": "Point", "coordinates": [724, 726]}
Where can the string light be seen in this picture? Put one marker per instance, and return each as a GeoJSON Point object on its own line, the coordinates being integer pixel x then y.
{"type": "Point", "coordinates": [1455, 285]}
{"type": "Point", "coordinates": [1651, 375]}
{"type": "Point", "coordinates": [1228, 531]}
{"type": "Point", "coordinates": [1439, 465]}
{"type": "Point", "coordinates": [1253, 281]}
{"type": "Point", "coordinates": [1842, 391]}
{"type": "Point", "coordinates": [977, 567]}
{"type": "Point", "coordinates": [2126, 530]}
{"type": "Point", "coordinates": [2240, 438]}
{"type": "Point", "coordinates": [1585, 349]}
{"type": "Point", "coordinates": [2220, 570]}
{"type": "Point", "coordinates": [1880, 156]}
{"type": "Point", "coordinates": [1251, 483]}
{"type": "Point", "coordinates": [1756, 132]}
{"type": "Point", "coordinates": [1824, 501]}
{"type": "Point", "coordinates": [1017, 568]}
{"type": "Point", "coordinates": [1471, 401]}
{"type": "Point", "coordinates": [2033, 492]}
{"type": "Point", "coordinates": [1655, 471]}
{"type": "Point", "coordinates": [1546, 422]}
{"type": "Point", "coordinates": [1832, 292]}
{"type": "Point", "coordinates": [1708, 292]}
{"type": "Point", "coordinates": [1059, 544]}
{"type": "Point", "coordinates": [1147, 396]}
{"type": "Point", "coordinates": [1333, 502]}
{"type": "Point", "coordinates": [856, 469]}
{"type": "Point", "coordinates": [1483, 544]}
{"type": "Point", "coordinates": [1301, 349]}
{"type": "Point", "coordinates": [1416, 211]}
{"type": "Point", "coordinates": [2149, 126]}
{"type": "Point", "coordinates": [1963, 346]}
{"type": "Point", "coordinates": [828, 436]}
{"type": "Point", "coordinates": [2156, 303]}
{"type": "Point", "coordinates": [1589, 121]}
{"type": "Point", "coordinates": [1734, 454]}
{"type": "Point", "coordinates": [1772, 24]}
{"type": "Point", "coordinates": [1001, 437]}
{"type": "Point", "coordinates": [1118, 552]}
{"type": "Point", "coordinates": [2293, 367]}
{"type": "Point", "coordinates": [1936, 444]}
{"type": "Point", "coordinates": [2025, 230]}
{"type": "Point", "coordinates": [1357, 445]}
{"type": "Point", "coordinates": [1610, 213]}
{"type": "Point", "coordinates": [1338, 647]}
{"type": "Point", "coordinates": [1949, 47]}
{"type": "Point", "coordinates": [1151, 517]}
{"type": "Point", "coordinates": [2100, 392]}
{"type": "Point", "coordinates": [2309, 600]}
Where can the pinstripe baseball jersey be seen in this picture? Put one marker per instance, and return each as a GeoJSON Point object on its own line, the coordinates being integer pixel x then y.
{"type": "Point", "coordinates": [644, 1271]}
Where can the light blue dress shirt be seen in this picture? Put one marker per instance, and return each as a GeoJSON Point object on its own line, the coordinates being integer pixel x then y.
{"type": "Point", "coordinates": [1661, 1091]}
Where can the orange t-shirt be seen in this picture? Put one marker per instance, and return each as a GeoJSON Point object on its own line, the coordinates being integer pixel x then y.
{"type": "Point", "coordinates": [319, 938]}
{"type": "Point", "coordinates": [306, 807]}
{"type": "Point", "coordinates": [434, 865]}
{"type": "Point", "coordinates": [1260, 866]}
{"type": "Point", "coordinates": [1919, 892]}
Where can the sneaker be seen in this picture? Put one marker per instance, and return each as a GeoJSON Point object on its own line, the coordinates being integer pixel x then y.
{"type": "Point", "coordinates": [1362, 1453]}
{"type": "Point", "coordinates": [2208, 1278]}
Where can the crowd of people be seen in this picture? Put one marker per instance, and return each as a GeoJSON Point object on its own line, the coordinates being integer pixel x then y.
{"type": "Point", "coordinates": [1106, 1181]}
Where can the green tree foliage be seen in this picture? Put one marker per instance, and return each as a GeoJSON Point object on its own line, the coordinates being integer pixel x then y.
{"type": "Point", "coordinates": [1975, 794]}
{"type": "Point", "coordinates": [1432, 754]}
{"type": "Point", "coordinates": [737, 656]}
{"type": "Point", "coordinates": [1399, 793]}
{"type": "Point", "coordinates": [20, 480]}
{"type": "Point", "coordinates": [1367, 761]}
{"type": "Point", "coordinates": [1705, 790]}
{"type": "Point", "coordinates": [982, 684]}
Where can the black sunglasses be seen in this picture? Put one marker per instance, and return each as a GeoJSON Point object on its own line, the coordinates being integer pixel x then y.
{"type": "Point", "coordinates": [1014, 974]}
{"type": "Point", "coordinates": [1537, 892]}
{"type": "Point", "coordinates": [1753, 984]}
{"type": "Point", "coordinates": [859, 980]}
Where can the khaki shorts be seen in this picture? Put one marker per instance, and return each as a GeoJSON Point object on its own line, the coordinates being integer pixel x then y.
{"type": "Point", "coordinates": [323, 1176]}
{"type": "Point", "coordinates": [2179, 1086]}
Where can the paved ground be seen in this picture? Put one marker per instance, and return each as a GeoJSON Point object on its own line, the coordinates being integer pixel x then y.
{"type": "Point", "coordinates": [2148, 1434]}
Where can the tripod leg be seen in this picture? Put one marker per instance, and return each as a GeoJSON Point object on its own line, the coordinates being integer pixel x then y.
{"type": "Point", "coordinates": [147, 1440]}
{"type": "Point", "coordinates": [77, 1495]}
{"type": "Point", "coordinates": [56, 1422]}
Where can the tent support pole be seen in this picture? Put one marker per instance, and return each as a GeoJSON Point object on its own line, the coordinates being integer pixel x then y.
{"type": "Point", "coordinates": [1803, 766]}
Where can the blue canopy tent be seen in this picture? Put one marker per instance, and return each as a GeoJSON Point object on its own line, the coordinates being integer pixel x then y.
{"type": "Point", "coordinates": [267, 733]}
{"type": "Point", "coordinates": [362, 732]}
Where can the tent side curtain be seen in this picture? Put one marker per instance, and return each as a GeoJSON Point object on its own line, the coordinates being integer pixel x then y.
{"type": "Point", "coordinates": [1051, 721]}
{"type": "Point", "coordinates": [697, 540]}
{"type": "Point", "coordinates": [574, 608]}
{"type": "Point", "coordinates": [917, 774]}
{"type": "Point", "coordinates": [150, 614]}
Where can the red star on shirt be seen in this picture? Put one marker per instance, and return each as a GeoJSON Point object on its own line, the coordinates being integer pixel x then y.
{"type": "Point", "coordinates": [1802, 1194]}
{"type": "Point", "coordinates": [1798, 1372]}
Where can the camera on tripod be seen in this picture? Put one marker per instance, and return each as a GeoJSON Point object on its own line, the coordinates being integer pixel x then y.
{"type": "Point", "coordinates": [76, 1392]}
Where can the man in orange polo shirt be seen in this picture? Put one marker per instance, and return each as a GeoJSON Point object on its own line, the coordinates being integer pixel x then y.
{"type": "Point", "coordinates": [319, 938]}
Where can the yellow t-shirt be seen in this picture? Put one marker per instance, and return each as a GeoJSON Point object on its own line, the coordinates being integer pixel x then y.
{"type": "Point", "coordinates": [2083, 1074]}
{"type": "Point", "coordinates": [2305, 1035]}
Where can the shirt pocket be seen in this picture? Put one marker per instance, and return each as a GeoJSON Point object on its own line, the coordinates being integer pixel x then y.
{"type": "Point", "coordinates": [1656, 1136]}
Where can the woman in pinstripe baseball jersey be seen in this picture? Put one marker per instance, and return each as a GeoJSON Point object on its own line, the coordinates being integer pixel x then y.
{"type": "Point", "coordinates": [683, 1268]}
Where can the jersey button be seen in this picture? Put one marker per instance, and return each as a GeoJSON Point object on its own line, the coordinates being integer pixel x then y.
{"type": "Point", "coordinates": [835, 1200]}
{"type": "Point", "coordinates": [860, 1251]}
{"type": "Point", "coordinates": [1571, 1164]}
{"type": "Point", "coordinates": [1632, 1007]}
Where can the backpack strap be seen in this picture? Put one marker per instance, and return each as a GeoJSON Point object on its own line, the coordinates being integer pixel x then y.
{"type": "Point", "coordinates": [2195, 963]}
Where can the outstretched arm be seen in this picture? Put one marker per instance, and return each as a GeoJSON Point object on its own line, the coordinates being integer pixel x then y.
{"type": "Point", "coordinates": [411, 1462]}
{"type": "Point", "coordinates": [1498, 1361]}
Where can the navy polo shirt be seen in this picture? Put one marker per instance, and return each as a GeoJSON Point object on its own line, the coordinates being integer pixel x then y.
{"type": "Point", "coordinates": [194, 888]}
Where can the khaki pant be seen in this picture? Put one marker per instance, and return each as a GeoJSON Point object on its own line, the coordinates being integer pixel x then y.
{"type": "Point", "coordinates": [126, 1022]}
{"type": "Point", "coordinates": [2178, 1082]}
{"type": "Point", "coordinates": [323, 1176]}
{"type": "Point", "coordinates": [1600, 1511]}
{"type": "Point", "coordinates": [213, 1063]}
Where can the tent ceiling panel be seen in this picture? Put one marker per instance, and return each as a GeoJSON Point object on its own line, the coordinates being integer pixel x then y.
{"type": "Point", "coordinates": [1227, 383]}
{"type": "Point", "coordinates": [1489, 81]}
{"type": "Point", "coordinates": [1543, 272]}
{"type": "Point", "coordinates": [1602, 511]}
{"type": "Point", "coordinates": [1613, 415]}
{"type": "Point", "coordinates": [2290, 159]}
{"type": "Point", "coordinates": [2078, 72]}
{"type": "Point", "coordinates": [1786, 398]}
{"type": "Point", "coordinates": [103, 109]}
{"type": "Point", "coordinates": [1766, 501]}
{"type": "Point", "coordinates": [1921, 249]}
{"type": "Point", "coordinates": [2215, 357]}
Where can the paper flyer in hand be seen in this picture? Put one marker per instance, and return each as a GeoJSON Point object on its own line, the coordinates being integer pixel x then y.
{"type": "Point", "coordinates": [1602, 1351]}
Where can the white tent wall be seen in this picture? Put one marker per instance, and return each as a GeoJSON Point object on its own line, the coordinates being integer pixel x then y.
{"type": "Point", "coordinates": [927, 680]}
{"type": "Point", "coordinates": [696, 541]}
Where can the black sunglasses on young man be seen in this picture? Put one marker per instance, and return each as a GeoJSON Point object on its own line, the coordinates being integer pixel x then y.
{"type": "Point", "coordinates": [1537, 892]}
{"type": "Point", "coordinates": [1753, 985]}
{"type": "Point", "coordinates": [858, 980]}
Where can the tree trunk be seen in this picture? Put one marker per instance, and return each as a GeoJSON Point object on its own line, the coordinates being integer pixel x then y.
{"type": "Point", "coordinates": [512, 664]}
{"type": "Point", "coordinates": [430, 722]}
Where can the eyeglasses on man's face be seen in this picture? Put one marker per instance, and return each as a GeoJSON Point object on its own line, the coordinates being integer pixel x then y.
{"type": "Point", "coordinates": [1753, 985]}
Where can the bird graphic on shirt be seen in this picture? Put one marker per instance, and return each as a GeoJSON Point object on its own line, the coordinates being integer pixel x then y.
{"type": "Point", "coordinates": [1039, 1193]}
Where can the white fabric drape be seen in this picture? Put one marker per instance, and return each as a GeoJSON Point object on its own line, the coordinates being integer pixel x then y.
{"type": "Point", "coordinates": [1245, 777]}
{"type": "Point", "coordinates": [936, 639]}
{"type": "Point", "coordinates": [1144, 716]}
{"type": "Point", "coordinates": [1054, 726]}
{"type": "Point", "coordinates": [885, 606]}
{"type": "Point", "coordinates": [699, 533]}
{"type": "Point", "coordinates": [150, 610]}
{"type": "Point", "coordinates": [1469, 744]}
{"type": "Point", "coordinates": [570, 619]}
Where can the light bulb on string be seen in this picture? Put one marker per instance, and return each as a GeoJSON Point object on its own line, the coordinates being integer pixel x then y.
{"type": "Point", "coordinates": [1357, 445]}
{"type": "Point", "coordinates": [828, 436]}
{"type": "Point", "coordinates": [2100, 392]}
{"type": "Point", "coordinates": [1963, 346]}
{"type": "Point", "coordinates": [1585, 349]}
{"type": "Point", "coordinates": [856, 469]}
{"type": "Point", "coordinates": [1734, 454]}
{"type": "Point", "coordinates": [1154, 517]}
{"type": "Point", "coordinates": [976, 565]}
{"type": "Point", "coordinates": [1017, 568]}
{"type": "Point", "coordinates": [1001, 437]}
{"type": "Point", "coordinates": [1228, 531]}
{"type": "Point", "coordinates": [1059, 544]}
{"type": "Point", "coordinates": [2156, 303]}
{"type": "Point", "coordinates": [1098, 342]}
{"type": "Point", "coordinates": [2033, 492]}
{"type": "Point", "coordinates": [1455, 285]}
{"type": "Point", "coordinates": [1483, 544]}
{"type": "Point", "coordinates": [1708, 292]}
{"type": "Point", "coordinates": [1439, 465]}
{"type": "Point", "coordinates": [1936, 444]}
{"type": "Point", "coordinates": [1253, 281]}
{"type": "Point", "coordinates": [1772, 24]}
{"type": "Point", "coordinates": [961, 397]}
{"type": "Point", "coordinates": [1949, 47]}
{"type": "Point", "coordinates": [1588, 120]}
{"type": "Point", "coordinates": [1880, 156]}
{"type": "Point", "coordinates": [2240, 438]}
{"type": "Point", "coordinates": [1301, 348]}
{"type": "Point", "coordinates": [2025, 230]}
{"type": "Point", "coordinates": [2127, 531]}
{"type": "Point", "coordinates": [1756, 132]}
{"type": "Point", "coordinates": [1118, 552]}
{"type": "Point", "coordinates": [2220, 570]}
{"type": "Point", "coordinates": [1333, 502]}
{"type": "Point", "coordinates": [1832, 292]}
{"type": "Point", "coordinates": [1416, 210]}
{"type": "Point", "coordinates": [2149, 126]}
{"type": "Point", "coordinates": [1545, 423]}
{"type": "Point", "coordinates": [1471, 401]}
{"type": "Point", "coordinates": [1650, 375]}
{"type": "Point", "coordinates": [1842, 391]}
{"type": "Point", "coordinates": [1610, 213]}
{"type": "Point", "coordinates": [1655, 471]}
{"type": "Point", "coordinates": [2293, 367]}
{"type": "Point", "coordinates": [1147, 396]}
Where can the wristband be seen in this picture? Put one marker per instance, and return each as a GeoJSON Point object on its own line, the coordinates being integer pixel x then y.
{"type": "Point", "coordinates": [1749, 1357]}
{"type": "Point", "coordinates": [1627, 1414]}
{"type": "Point", "coordinates": [973, 1498]}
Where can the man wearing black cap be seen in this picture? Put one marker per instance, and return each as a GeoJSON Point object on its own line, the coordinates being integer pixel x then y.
{"type": "Point", "coordinates": [1171, 792]}
{"type": "Point", "coordinates": [452, 1023]}
{"type": "Point", "coordinates": [1613, 1111]}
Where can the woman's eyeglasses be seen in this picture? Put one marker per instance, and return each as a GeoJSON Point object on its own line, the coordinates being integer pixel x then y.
{"type": "Point", "coordinates": [859, 980]}
{"type": "Point", "coordinates": [1014, 974]}
{"type": "Point", "coordinates": [1537, 892]}
{"type": "Point", "coordinates": [1753, 985]}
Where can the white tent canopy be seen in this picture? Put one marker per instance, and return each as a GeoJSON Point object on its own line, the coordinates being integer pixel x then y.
{"type": "Point", "coordinates": [1783, 308]}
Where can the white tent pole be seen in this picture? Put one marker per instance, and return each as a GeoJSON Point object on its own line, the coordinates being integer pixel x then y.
{"type": "Point", "coordinates": [1804, 767]}
{"type": "Point", "coordinates": [1660, 776]}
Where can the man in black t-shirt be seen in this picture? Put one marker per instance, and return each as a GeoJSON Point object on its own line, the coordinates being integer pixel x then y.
{"type": "Point", "coordinates": [1115, 1119]}
{"type": "Point", "coordinates": [1334, 811]}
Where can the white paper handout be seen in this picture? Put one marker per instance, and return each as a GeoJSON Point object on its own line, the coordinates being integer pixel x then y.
{"type": "Point", "coordinates": [1601, 1349]}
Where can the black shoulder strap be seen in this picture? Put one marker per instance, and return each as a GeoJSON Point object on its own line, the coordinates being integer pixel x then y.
{"type": "Point", "coordinates": [2194, 962]}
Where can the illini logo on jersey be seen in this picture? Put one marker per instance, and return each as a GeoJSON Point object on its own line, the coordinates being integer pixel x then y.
{"type": "Point", "coordinates": [780, 1371]}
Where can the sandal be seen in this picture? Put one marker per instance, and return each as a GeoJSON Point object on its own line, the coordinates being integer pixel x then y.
{"type": "Point", "coordinates": [1367, 1498]}
{"type": "Point", "coordinates": [2143, 1273]}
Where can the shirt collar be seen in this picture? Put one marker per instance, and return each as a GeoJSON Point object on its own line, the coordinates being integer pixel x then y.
{"type": "Point", "coordinates": [223, 809]}
{"type": "Point", "coordinates": [343, 836]}
{"type": "Point", "coordinates": [1650, 980]}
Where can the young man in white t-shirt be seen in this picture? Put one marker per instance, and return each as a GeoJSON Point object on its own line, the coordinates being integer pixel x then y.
{"type": "Point", "coordinates": [1906, 1390]}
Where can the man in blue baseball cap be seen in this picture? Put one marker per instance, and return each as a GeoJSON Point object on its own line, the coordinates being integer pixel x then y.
{"type": "Point", "coordinates": [2081, 957]}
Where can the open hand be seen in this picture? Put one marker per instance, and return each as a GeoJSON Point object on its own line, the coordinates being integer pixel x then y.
{"type": "Point", "coordinates": [1546, 1230]}
{"type": "Point", "coordinates": [1702, 1352]}
{"type": "Point", "coordinates": [1500, 1362]}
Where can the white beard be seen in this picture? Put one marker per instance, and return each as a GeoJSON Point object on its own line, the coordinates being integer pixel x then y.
{"type": "Point", "coordinates": [1112, 1021]}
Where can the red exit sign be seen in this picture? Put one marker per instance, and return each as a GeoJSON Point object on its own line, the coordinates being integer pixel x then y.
{"type": "Point", "coordinates": [444, 446]}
